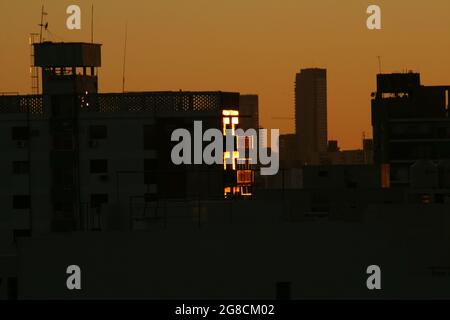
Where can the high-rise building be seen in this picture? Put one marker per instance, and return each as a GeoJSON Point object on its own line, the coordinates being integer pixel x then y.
{"type": "Point", "coordinates": [311, 114]}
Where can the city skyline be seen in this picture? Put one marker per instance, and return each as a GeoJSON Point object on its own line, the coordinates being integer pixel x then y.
{"type": "Point", "coordinates": [172, 182]}
{"type": "Point", "coordinates": [200, 49]}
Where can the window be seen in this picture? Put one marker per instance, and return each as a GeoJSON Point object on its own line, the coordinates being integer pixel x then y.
{"type": "Point", "coordinates": [19, 133]}
{"type": "Point", "coordinates": [21, 202]}
{"type": "Point", "coordinates": [150, 165]}
{"type": "Point", "coordinates": [98, 132]}
{"type": "Point", "coordinates": [149, 137]}
{"type": "Point", "coordinates": [323, 174]}
{"type": "Point", "coordinates": [20, 167]}
{"type": "Point", "coordinates": [244, 176]}
{"type": "Point", "coordinates": [21, 233]}
{"type": "Point", "coordinates": [97, 199]}
{"type": "Point", "coordinates": [99, 166]}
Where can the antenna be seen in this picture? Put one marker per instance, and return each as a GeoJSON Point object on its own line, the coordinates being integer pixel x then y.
{"type": "Point", "coordinates": [43, 13]}
{"type": "Point", "coordinates": [379, 65]}
{"type": "Point", "coordinates": [124, 57]}
{"type": "Point", "coordinates": [92, 23]}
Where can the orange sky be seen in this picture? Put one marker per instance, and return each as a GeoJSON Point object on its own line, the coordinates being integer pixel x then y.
{"type": "Point", "coordinates": [248, 46]}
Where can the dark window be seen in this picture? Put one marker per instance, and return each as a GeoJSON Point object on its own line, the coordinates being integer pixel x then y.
{"type": "Point", "coordinates": [21, 202]}
{"type": "Point", "coordinates": [98, 199]}
{"type": "Point", "coordinates": [323, 174]}
{"type": "Point", "coordinates": [352, 184]}
{"type": "Point", "coordinates": [22, 233]}
{"type": "Point", "coordinates": [149, 137]}
{"type": "Point", "coordinates": [98, 132]}
{"type": "Point", "coordinates": [21, 167]}
{"type": "Point", "coordinates": [150, 166]}
{"type": "Point", "coordinates": [99, 166]}
{"type": "Point", "coordinates": [20, 133]}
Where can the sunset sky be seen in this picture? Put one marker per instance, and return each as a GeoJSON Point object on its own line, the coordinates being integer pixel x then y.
{"type": "Point", "coordinates": [247, 46]}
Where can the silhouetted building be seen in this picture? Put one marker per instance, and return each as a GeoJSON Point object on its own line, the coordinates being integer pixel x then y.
{"type": "Point", "coordinates": [336, 156]}
{"type": "Point", "coordinates": [333, 146]}
{"type": "Point", "coordinates": [311, 114]}
{"type": "Point", "coordinates": [249, 111]}
{"type": "Point", "coordinates": [72, 152]}
{"type": "Point", "coordinates": [410, 123]}
{"type": "Point", "coordinates": [289, 153]}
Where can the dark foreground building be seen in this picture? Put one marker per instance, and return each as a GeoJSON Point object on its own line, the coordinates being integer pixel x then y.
{"type": "Point", "coordinates": [410, 123]}
{"type": "Point", "coordinates": [71, 152]}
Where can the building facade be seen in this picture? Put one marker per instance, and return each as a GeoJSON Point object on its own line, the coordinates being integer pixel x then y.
{"type": "Point", "coordinates": [410, 123]}
{"type": "Point", "coordinates": [71, 155]}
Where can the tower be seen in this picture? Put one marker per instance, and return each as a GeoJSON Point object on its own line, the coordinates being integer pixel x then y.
{"type": "Point", "coordinates": [69, 75]}
{"type": "Point", "coordinates": [311, 113]}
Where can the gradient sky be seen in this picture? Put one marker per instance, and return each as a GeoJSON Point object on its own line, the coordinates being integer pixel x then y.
{"type": "Point", "coordinates": [248, 46]}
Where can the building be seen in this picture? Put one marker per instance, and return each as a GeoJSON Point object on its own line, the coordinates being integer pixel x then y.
{"type": "Point", "coordinates": [336, 156]}
{"type": "Point", "coordinates": [249, 111]}
{"type": "Point", "coordinates": [289, 153]}
{"type": "Point", "coordinates": [410, 123]}
{"type": "Point", "coordinates": [71, 155]}
{"type": "Point", "coordinates": [311, 114]}
{"type": "Point", "coordinates": [248, 120]}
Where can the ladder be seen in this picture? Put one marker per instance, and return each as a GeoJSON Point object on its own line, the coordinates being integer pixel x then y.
{"type": "Point", "coordinates": [34, 71]}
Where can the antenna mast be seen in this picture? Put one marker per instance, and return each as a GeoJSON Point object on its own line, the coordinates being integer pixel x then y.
{"type": "Point", "coordinates": [92, 24]}
{"type": "Point", "coordinates": [42, 23]}
{"type": "Point", "coordinates": [124, 57]}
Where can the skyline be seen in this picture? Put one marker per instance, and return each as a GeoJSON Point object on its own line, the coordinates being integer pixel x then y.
{"type": "Point", "coordinates": [218, 55]}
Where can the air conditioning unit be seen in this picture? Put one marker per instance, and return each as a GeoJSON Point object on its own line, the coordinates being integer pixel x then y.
{"type": "Point", "coordinates": [22, 144]}
{"type": "Point", "coordinates": [93, 144]}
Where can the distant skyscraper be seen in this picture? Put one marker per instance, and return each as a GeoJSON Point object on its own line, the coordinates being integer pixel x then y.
{"type": "Point", "coordinates": [249, 111]}
{"type": "Point", "coordinates": [311, 113]}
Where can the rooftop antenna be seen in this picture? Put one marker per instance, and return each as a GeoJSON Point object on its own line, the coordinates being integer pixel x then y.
{"type": "Point", "coordinates": [92, 23]}
{"type": "Point", "coordinates": [379, 65]}
{"type": "Point", "coordinates": [43, 13]}
{"type": "Point", "coordinates": [124, 57]}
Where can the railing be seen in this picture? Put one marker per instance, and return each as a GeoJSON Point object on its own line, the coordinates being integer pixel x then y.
{"type": "Point", "coordinates": [124, 102]}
